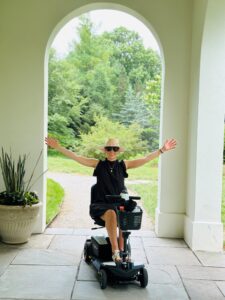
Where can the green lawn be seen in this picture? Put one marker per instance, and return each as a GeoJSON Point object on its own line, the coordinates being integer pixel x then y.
{"type": "Point", "coordinates": [59, 163]}
{"type": "Point", "coordinates": [148, 193]}
{"type": "Point", "coordinates": [55, 194]}
{"type": "Point", "coordinates": [62, 164]}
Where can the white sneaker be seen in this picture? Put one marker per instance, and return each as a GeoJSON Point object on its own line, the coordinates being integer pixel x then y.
{"type": "Point", "coordinates": [116, 256]}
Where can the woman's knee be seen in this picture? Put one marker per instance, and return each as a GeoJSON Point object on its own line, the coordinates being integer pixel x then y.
{"type": "Point", "coordinates": [109, 214]}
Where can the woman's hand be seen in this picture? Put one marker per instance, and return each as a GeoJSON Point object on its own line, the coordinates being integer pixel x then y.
{"type": "Point", "coordinates": [169, 145]}
{"type": "Point", "coordinates": [51, 142]}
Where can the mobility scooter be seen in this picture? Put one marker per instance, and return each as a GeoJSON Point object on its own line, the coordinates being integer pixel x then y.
{"type": "Point", "coordinates": [98, 252]}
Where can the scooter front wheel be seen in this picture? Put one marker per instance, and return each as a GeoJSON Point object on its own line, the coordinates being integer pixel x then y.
{"type": "Point", "coordinates": [102, 279]}
{"type": "Point", "coordinates": [143, 277]}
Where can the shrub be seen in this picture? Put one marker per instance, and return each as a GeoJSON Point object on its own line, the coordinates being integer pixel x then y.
{"type": "Point", "coordinates": [129, 137]}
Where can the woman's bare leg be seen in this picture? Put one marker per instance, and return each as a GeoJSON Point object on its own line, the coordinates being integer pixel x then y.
{"type": "Point", "coordinates": [111, 226]}
{"type": "Point", "coordinates": [121, 240]}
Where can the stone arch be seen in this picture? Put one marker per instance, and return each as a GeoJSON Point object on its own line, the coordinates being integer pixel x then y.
{"type": "Point", "coordinates": [97, 6]}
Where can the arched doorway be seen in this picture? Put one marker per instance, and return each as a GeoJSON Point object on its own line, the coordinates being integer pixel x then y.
{"type": "Point", "coordinates": [124, 9]}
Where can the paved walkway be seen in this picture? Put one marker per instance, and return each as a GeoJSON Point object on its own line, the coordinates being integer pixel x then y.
{"type": "Point", "coordinates": [51, 266]}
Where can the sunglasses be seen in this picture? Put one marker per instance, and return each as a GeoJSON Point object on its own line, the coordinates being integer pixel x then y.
{"type": "Point", "coordinates": [112, 148]}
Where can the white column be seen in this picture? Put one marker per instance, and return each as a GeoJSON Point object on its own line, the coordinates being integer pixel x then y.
{"type": "Point", "coordinates": [174, 121]}
{"type": "Point", "coordinates": [203, 227]}
{"type": "Point", "coordinates": [22, 113]}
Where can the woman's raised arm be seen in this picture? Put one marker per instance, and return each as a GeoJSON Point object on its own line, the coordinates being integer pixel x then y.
{"type": "Point", "coordinates": [168, 145]}
{"type": "Point", "coordinates": [85, 161]}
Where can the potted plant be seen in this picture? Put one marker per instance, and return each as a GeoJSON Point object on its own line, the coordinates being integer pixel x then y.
{"type": "Point", "coordinates": [19, 206]}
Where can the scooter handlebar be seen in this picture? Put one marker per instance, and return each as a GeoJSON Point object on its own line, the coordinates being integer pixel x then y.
{"type": "Point", "coordinates": [118, 197]}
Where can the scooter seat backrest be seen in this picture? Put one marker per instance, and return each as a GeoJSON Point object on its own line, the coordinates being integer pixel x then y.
{"type": "Point", "coordinates": [98, 221]}
{"type": "Point", "coordinates": [93, 193]}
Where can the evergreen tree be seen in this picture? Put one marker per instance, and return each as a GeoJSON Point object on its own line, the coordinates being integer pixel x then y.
{"type": "Point", "coordinates": [134, 110]}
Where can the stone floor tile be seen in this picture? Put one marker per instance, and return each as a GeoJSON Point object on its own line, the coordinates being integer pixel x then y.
{"type": "Point", "coordinates": [7, 254]}
{"type": "Point", "coordinates": [44, 257]}
{"type": "Point", "coordinates": [143, 233]}
{"type": "Point", "coordinates": [2, 245]}
{"type": "Point", "coordinates": [89, 290]}
{"type": "Point", "coordinates": [166, 292]}
{"type": "Point", "coordinates": [163, 242]}
{"type": "Point", "coordinates": [87, 272]}
{"type": "Point", "coordinates": [138, 255]}
{"type": "Point", "coordinates": [136, 242]}
{"type": "Point", "coordinates": [211, 259]}
{"type": "Point", "coordinates": [221, 285]}
{"type": "Point", "coordinates": [2, 270]}
{"type": "Point", "coordinates": [202, 290]}
{"type": "Point", "coordinates": [37, 282]}
{"type": "Point", "coordinates": [38, 241]}
{"type": "Point", "coordinates": [200, 272]}
{"type": "Point", "coordinates": [69, 244]}
{"type": "Point", "coordinates": [163, 274]}
{"type": "Point", "coordinates": [63, 231]}
{"type": "Point", "coordinates": [89, 232]}
{"type": "Point", "coordinates": [170, 256]}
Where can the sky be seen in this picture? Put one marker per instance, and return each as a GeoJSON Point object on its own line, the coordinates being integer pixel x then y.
{"type": "Point", "coordinates": [106, 20]}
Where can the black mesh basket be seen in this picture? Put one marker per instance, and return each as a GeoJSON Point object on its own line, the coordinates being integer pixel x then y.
{"type": "Point", "coordinates": [130, 220]}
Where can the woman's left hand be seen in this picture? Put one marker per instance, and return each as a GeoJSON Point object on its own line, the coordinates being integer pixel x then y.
{"type": "Point", "coordinates": [169, 145]}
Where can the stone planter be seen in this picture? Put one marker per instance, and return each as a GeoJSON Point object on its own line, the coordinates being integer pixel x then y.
{"type": "Point", "coordinates": [17, 222]}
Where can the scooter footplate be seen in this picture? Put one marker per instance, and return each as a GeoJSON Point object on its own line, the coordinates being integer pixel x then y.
{"type": "Point", "coordinates": [122, 271]}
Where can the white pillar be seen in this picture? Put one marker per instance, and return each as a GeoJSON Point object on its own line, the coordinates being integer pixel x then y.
{"type": "Point", "coordinates": [173, 167]}
{"type": "Point", "coordinates": [203, 227]}
{"type": "Point", "coordinates": [22, 115]}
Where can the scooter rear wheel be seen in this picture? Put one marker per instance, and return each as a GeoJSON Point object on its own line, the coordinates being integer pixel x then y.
{"type": "Point", "coordinates": [87, 251]}
{"type": "Point", "coordinates": [102, 279]}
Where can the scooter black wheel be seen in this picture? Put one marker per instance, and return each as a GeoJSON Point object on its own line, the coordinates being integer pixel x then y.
{"type": "Point", "coordinates": [102, 279]}
{"type": "Point", "coordinates": [143, 277]}
{"type": "Point", "coordinates": [87, 251]}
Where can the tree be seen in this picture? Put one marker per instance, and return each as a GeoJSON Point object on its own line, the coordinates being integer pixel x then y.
{"type": "Point", "coordinates": [134, 110]}
{"type": "Point", "coordinates": [152, 96]}
{"type": "Point", "coordinates": [59, 129]}
{"type": "Point", "coordinates": [140, 64]}
{"type": "Point", "coordinates": [91, 58]}
{"type": "Point", "coordinates": [66, 104]}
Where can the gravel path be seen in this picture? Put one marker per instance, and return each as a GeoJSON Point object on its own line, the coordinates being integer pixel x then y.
{"type": "Point", "coordinates": [75, 208]}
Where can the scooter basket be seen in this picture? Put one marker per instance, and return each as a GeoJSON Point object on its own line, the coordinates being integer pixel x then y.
{"type": "Point", "coordinates": [130, 220]}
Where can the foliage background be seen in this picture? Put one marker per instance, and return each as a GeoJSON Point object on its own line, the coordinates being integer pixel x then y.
{"type": "Point", "coordinates": [107, 86]}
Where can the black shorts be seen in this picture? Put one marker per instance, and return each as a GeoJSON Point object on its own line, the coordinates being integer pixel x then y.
{"type": "Point", "coordinates": [98, 209]}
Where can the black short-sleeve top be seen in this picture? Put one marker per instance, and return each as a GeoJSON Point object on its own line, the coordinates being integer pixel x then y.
{"type": "Point", "coordinates": [110, 179]}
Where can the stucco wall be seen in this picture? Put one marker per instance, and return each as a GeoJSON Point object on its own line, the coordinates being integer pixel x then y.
{"type": "Point", "coordinates": [28, 26]}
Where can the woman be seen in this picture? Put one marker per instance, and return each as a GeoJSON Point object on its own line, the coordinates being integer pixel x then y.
{"type": "Point", "coordinates": [110, 175]}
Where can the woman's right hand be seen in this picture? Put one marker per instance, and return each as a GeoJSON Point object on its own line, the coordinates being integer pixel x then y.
{"type": "Point", "coordinates": [51, 142]}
